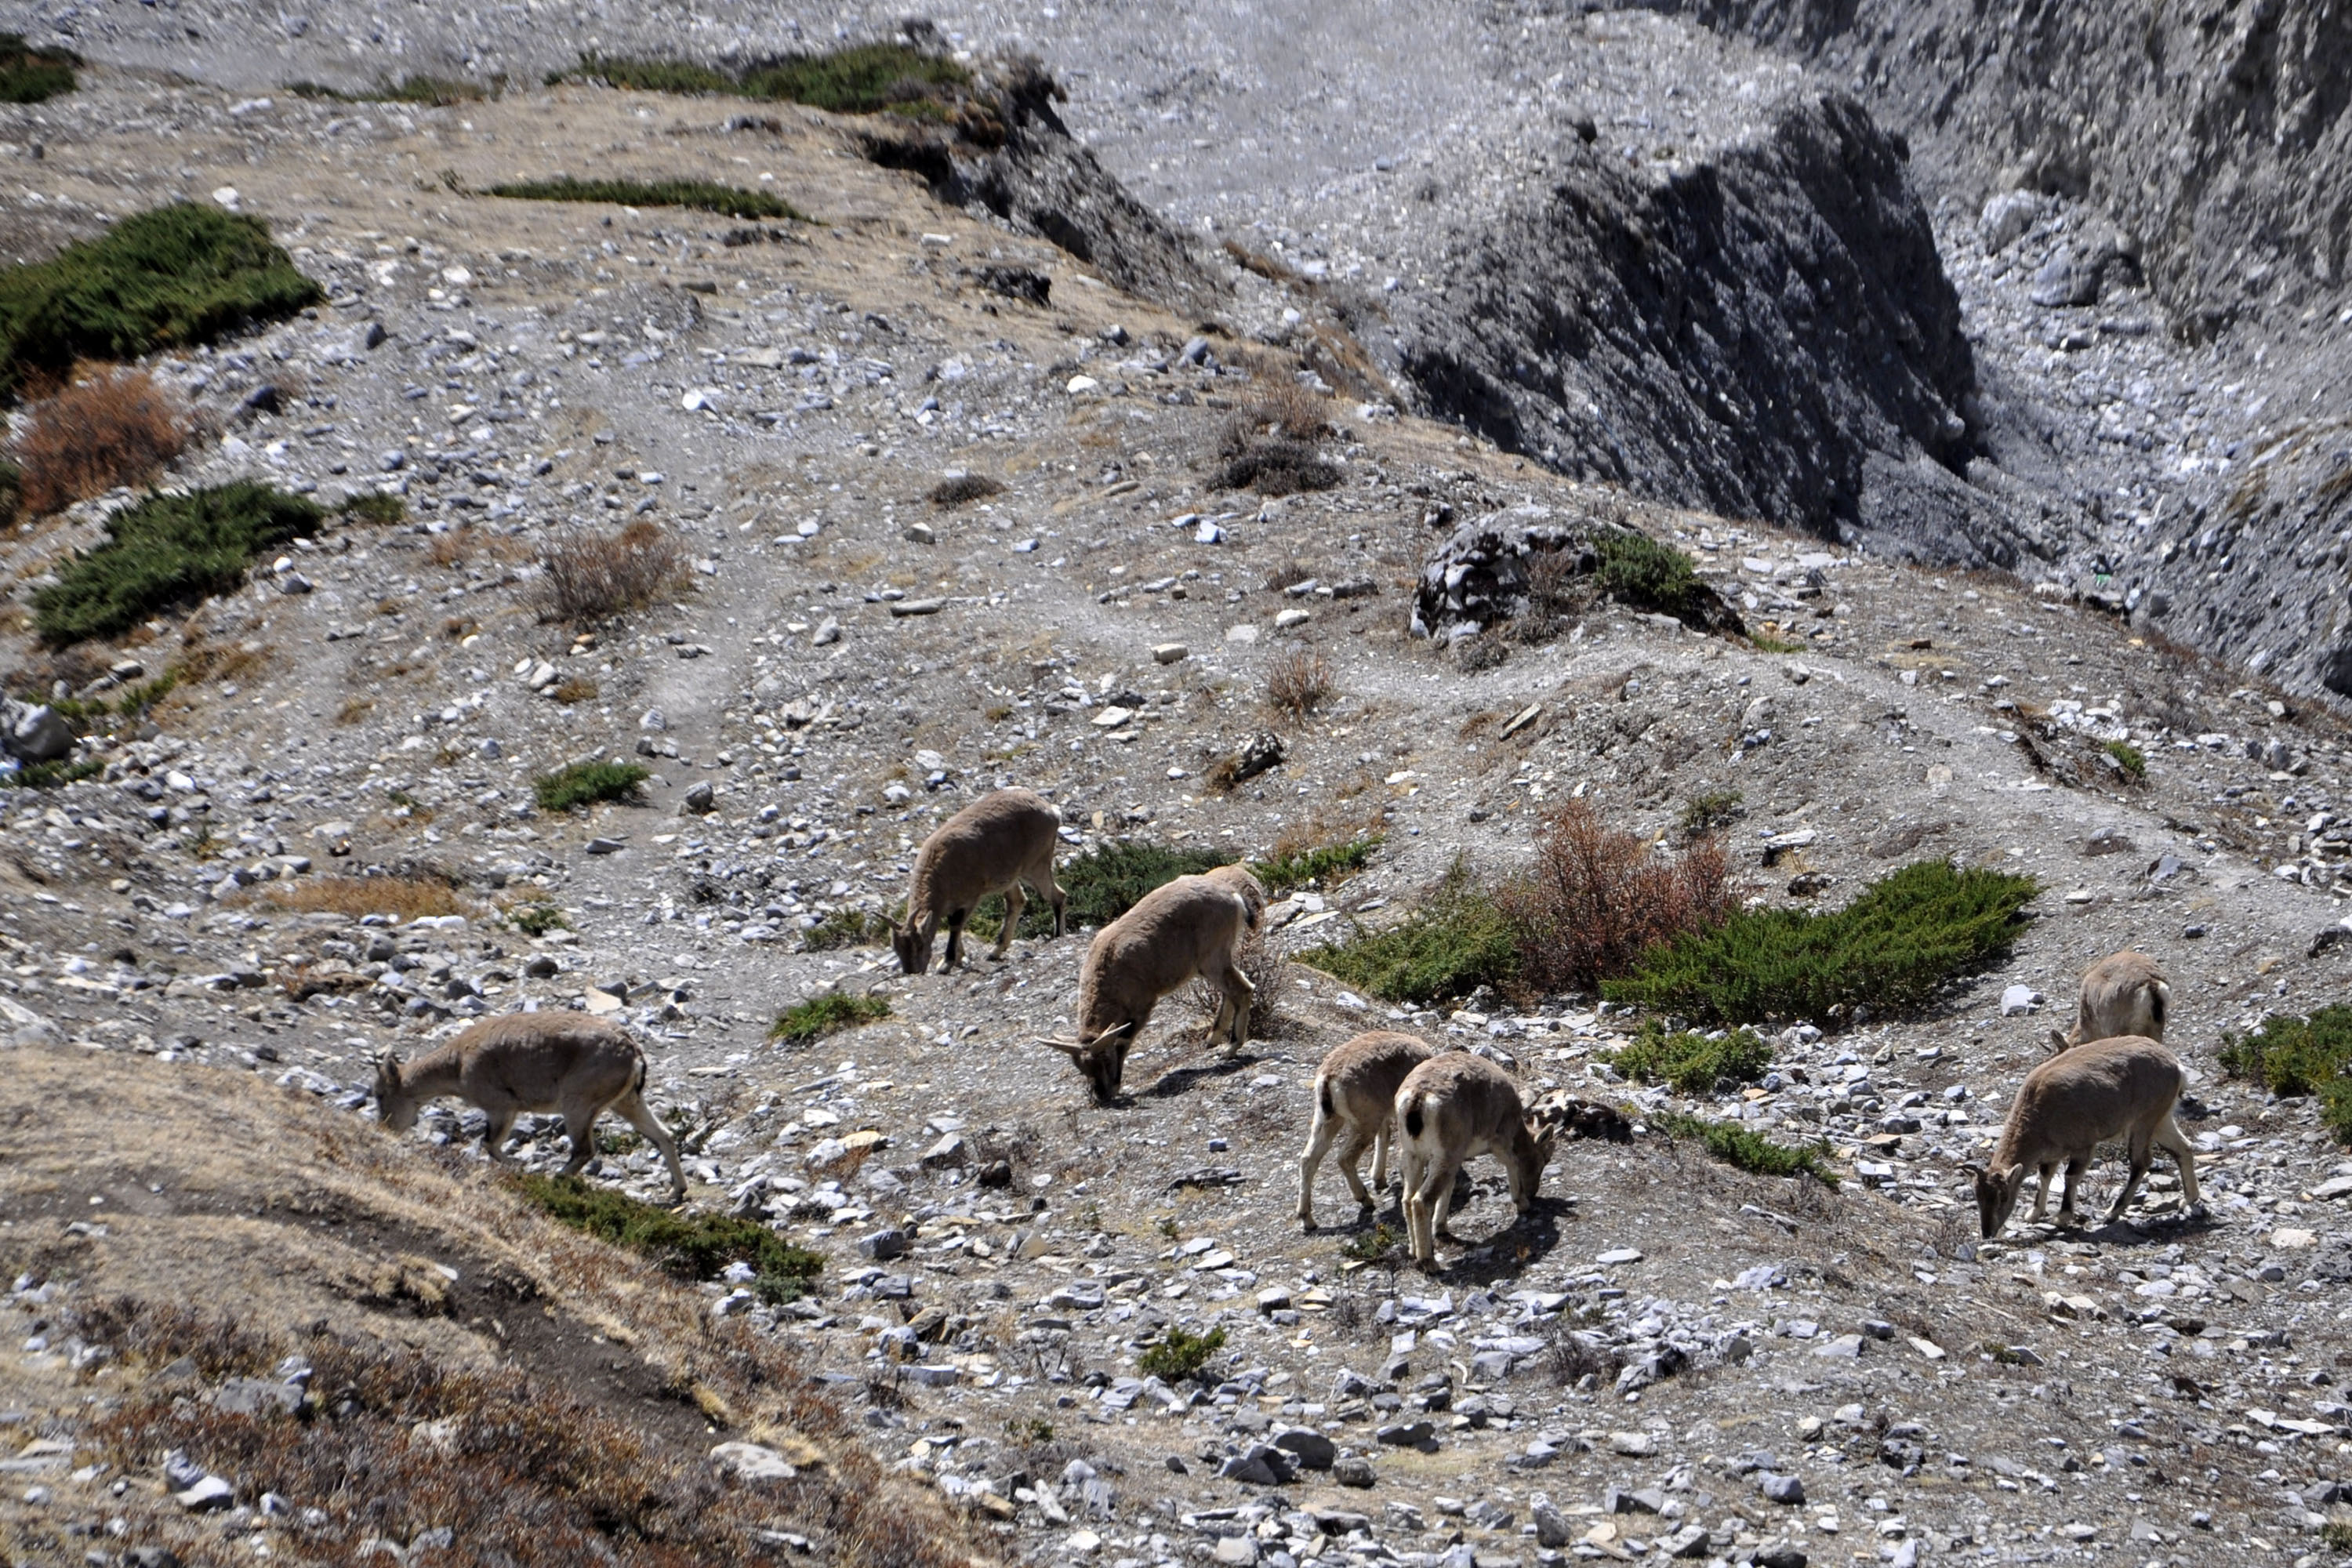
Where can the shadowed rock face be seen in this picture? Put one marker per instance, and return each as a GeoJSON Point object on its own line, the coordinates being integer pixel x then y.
{"type": "Point", "coordinates": [1740, 336]}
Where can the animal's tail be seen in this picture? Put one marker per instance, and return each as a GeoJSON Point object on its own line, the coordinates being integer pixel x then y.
{"type": "Point", "coordinates": [1323, 1093]}
{"type": "Point", "coordinates": [2160, 1003]}
{"type": "Point", "coordinates": [1413, 1118]}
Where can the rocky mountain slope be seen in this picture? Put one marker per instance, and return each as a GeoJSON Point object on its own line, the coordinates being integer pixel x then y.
{"type": "Point", "coordinates": [325, 842]}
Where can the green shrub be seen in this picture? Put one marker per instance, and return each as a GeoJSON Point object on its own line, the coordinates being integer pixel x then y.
{"type": "Point", "coordinates": [804, 1022]}
{"type": "Point", "coordinates": [12, 492]}
{"type": "Point", "coordinates": [846, 927]}
{"type": "Point", "coordinates": [1690, 1062]}
{"type": "Point", "coordinates": [1327, 863]}
{"type": "Point", "coordinates": [1704, 813]}
{"type": "Point", "coordinates": [537, 919]}
{"type": "Point", "coordinates": [28, 75]}
{"type": "Point", "coordinates": [168, 550]}
{"type": "Point", "coordinates": [375, 507]}
{"type": "Point", "coordinates": [729, 200]}
{"type": "Point", "coordinates": [2293, 1056]}
{"type": "Point", "coordinates": [1371, 1245]}
{"type": "Point", "coordinates": [2129, 758]}
{"type": "Point", "coordinates": [172, 276]}
{"type": "Point", "coordinates": [583, 783]}
{"type": "Point", "coordinates": [1180, 1355]}
{"type": "Point", "coordinates": [1893, 947]}
{"type": "Point", "coordinates": [861, 79]}
{"type": "Point", "coordinates": [864, 79]}
{"type": "Point", "coordinates": [689, 1246]}
{"type": "Point", "coordinates": [52, 774]}
{"type": "Point", "coordinates": [1735, 1145]}
{"type": "Point", "coordinates": [1453, 941]}
{"type": "Point", "coordinates": [1639, 571]}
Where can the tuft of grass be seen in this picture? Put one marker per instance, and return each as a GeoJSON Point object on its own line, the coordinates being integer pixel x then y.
{"type": "Point", "coordinates": [1297, 682]}
{"type": "Point", "coordinates": [536, 918]}
{"type": "Point", "coordinates": [805, 1022]}
{"type": "Point", "coordinates": [30, 75]}
{"type": "Point", "coordinates": [1325, 863]}
{"type": "Point", "coordinates": [1899, 941]}
{"type": "Point", "coordinates": [1639, 571]}
{"type": "Point", "coordinates": [1765, 642]}
{"type": "Point", "coordinates": [1454, 940]}
{"type": "Point", "coordinates": [12, 492]}
{"type": "Point", "coordinates": [864, 79]}
{"type": "Point", "coordinates": [54, 775]}
{"type": "Point", "coordinates": [1371, 1245]}
{"type": "Point", "coordinates": [373, 506]}
{"type": "Point", "coordinates": [968, 488]}
{"type": "Point", "coordinates": [846, 927]}
{"type": "Point", "coordinates": [1753, 1152]}
{"type": "Point", "coordinates": [357, 897]}
{"type": "Point", "coordinates": [169, 278]}
{"type": "Point", "coordinates": [1180, 1354]}
{"type": "Point", "coordinates": [689, 1246]}
{"type": "Point", "coordinates": [2129, 758]}
{"type": "Point", "coordinates": [2295, 1057]}
{"type": "Point", "coordinates": [730, 200]}
{"type": "Point", "coordinates": [167, 551]}
{"type": "Point", "coordinates": [1704, 813]}
{"type": "Point", "coordinates": [584, 783]}
{"type": "Point", "coordinates": [575, 688]}
{"type": "Point", "coordinates": [110, 427]}
{"type": "Point", "coordinates": [1689, 1062]}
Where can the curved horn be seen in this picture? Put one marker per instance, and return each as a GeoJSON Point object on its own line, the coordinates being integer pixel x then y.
{"type": "Point", "coordinates": [1067, 1047]}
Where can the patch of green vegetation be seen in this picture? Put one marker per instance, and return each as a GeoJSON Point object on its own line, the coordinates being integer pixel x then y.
{"type": "Point", "coordinates": [583, 783]}
{"type": "Point", "coordinates": [732, 201]}
{"type": "Point", "coordinates": [1637, 570]}
{"type": "Point", "coordinates": [864, 79]}
{"type": "Point", "coordinates": [12, 492]}
{"type": "Point", "coordinates": [430, 91]}
{"type": "Point", "coordinates": [803, 1022]}
{"type": "Point", "coordinates": [1689, 1062]}
{"type": "Point", "coordinates": [1180, 1355]}
{"type": "Point", "coordinates": [1765, 642]}
{"type": "Point", "coordinates": [2129, 758]}
{"type": "Point", "coordinates": [689, 1246]}
{"type": "Point", "coordinates": [1893, 947]}
{"type": "Point", "coordinates": [1371, 1245]}
{"type": "Point", "coordinates": [846, 927]}
{"type": "Point", "coordinates": [1031, 1431]}
{"type": "Point", "coordinates": [1703, 814]}
{"type": "Point", "coordinates": [169, 278]}
{"type": "Point", "coordinates": [2294, 1057]}
{"type": "Point", "coordinates": [646, 76]}
{"type": "Point", "coordinates": [29, 75]}
{"type": "Point", "coordinates": [2335, 1535]}
{"type": "Point", "coordinates": [1327, 863]}
{"type": "Point", "coordinates": [51, 775]}
{"type": "Point", "coordinates": [373, 506]}
{"type": "Point", "coordinates": [537, 919]}
{"type": "Point", "coordinates": [167, 551]}
{"type": "Point", "coordinates": [1735, 1145]}
{"type": "Point", "coordinates": [1098, 887]}
{"type": "Point", "coordinates": [102, 711]}
{"type": "Point", "coordinates": [1453, 941]}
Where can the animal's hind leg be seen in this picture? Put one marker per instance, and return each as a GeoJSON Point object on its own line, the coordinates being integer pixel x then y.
{"type": "Point", "coordinates": [1013, 904]}
{"type": "Point", "coordinates": [1319, 1142]}
{"type": "Point", "coordinates": [495, 1135]}
{"type": "Point", "coordinates": [2142, 1148]}
{"type": "Point", "coordinates": [2168, 1135]}
{"type": "Point", "coordinates": [633, 1106]}
{"type": "Point", "coordinates": [1240, 997]}
{"type": "Point", "coordinates": [580, 1127]}
{"type": "Point", "coordinates": [1351, 1155]}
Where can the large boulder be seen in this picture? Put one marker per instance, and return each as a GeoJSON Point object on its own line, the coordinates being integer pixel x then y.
{"type": "Point", "coordinates": [1486, 572]}
{"type": "Point", "coordinates": [34, 732]}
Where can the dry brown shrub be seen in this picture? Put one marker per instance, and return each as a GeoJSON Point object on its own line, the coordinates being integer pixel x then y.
{"type": "Point", "coordinates": [575, 688]}
{"type": "Point", "coordinates": [407, 897]}
{"type": "Point", "coordinates": [201, 660]}
{"type": "Point", "coordinates": [591, 576]}
{"type": "Point", "coordinates": [1265, 968]}
{"type": "Point", "coordinates": [466, 542]}
{"type": "Point", "coordinates": [1298, 682]}
{"type": "Point", "coordinates": [109, 428]}
{"type": "Point", "coordinates": [965, 487]}
{"type": "Point", "coordinates": [1596, 897]}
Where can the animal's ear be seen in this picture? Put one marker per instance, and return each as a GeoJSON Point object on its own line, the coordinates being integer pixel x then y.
{"type": "Point", "coordinates": [1973, 1169]}
{"type": "Point", "coordinates": [2057, 1042]}
{"type": "Point", "coordinates": [387, 1067]}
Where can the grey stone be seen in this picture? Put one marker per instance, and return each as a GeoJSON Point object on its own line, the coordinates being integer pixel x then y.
{"type": "Point", "coordinates": [1786, 1489]}
{"type": "Point", "coordinates": [699, 799]}
{"type": "Point", "coordinates": [1313, 1450]}
{"type": "Point", "coordinates": [34, 732]}
{"type": "Point", "coordinates": [208, 1495]}
{"type": "Point", "coordinates": [1552, 1529]}
{"type": "Point", "coordinates": [883, 1244]}
{"type": "Point", "coordinates": [1354, 1471]}
{"type": "Point", "coordinates": [257, 1396]}
{"type": "Point", "coordinates": [1408, 1435]}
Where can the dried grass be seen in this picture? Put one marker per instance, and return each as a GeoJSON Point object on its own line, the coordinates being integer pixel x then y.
{"type": "Point", "coordinates": [592, 577]}
{"type": "Point", "coordinates": [108, 427]}
{"type": "Point", "coordinates": [405, 897]}
{"type": "Point", "coordinates": [1298, 682]}
{"type": "Point", "coordinates": [1596, 898]}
